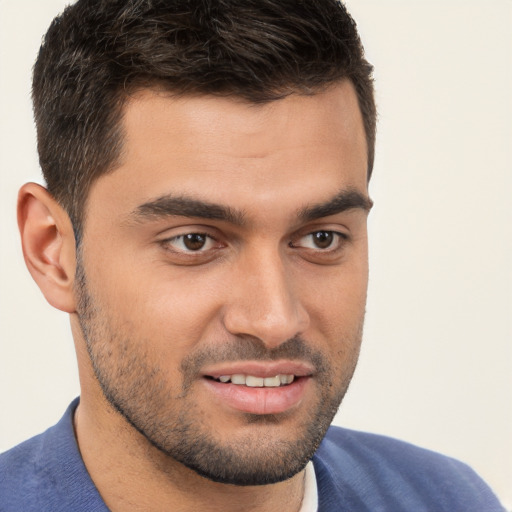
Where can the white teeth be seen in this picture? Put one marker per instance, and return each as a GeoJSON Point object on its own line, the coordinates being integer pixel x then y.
{"type": "Point", "coordinates": [254, 382]}
{"type": "Point", "coordinates": [272, 382]}
{"type": "Point", "coordinates": [238, 378]}
{"type": "Point", "coordinates": [286, 379]}
{"type": "Point", "coordinates": [257, 382]}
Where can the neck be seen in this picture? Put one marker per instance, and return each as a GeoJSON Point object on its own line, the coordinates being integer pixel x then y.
{"type": "Point", "coordinates": [131, 474]}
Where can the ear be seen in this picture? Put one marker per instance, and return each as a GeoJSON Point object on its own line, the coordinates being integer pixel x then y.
{"type": "Point", "coordinates": [48, 243]}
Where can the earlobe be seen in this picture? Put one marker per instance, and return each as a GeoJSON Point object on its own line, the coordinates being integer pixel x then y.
{"type": "Point", "coordinates": [48, 244]}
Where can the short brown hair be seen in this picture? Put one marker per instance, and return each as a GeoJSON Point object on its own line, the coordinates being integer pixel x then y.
{"type": "Point", "coordinates": [97, 52]}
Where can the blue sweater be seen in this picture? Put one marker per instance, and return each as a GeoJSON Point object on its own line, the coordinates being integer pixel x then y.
{"type": "Point", "coordinates": [355, 472]}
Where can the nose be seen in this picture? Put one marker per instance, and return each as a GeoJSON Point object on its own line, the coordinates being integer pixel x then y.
{"type": "Point", "coordinates": [264, 301]}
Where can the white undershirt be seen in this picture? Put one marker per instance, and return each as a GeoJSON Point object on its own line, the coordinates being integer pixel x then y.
{"type": "Point", "coordinates": [310, 500]}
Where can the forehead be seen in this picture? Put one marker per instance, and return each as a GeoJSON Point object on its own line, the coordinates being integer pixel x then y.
{"type": "Point", "coordinates": [226, 150]}
{"type": "Point", "coordinates": [154, 119]}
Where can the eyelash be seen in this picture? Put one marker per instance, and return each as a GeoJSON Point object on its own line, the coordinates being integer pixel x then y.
{"type": "Point", "coordinates": [187, 250]}
{"type": "Point", "coordinates": [337, 239]}
{"type": "Point", "coordinates": [333, 238]}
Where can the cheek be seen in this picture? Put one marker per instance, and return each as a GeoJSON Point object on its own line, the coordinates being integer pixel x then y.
{"type": "Point", "coordinates": [182, 308]}
{"type": "Point", "coordinates": [173, 309]}
{"type": "Point", "coordinates": [336, 299]}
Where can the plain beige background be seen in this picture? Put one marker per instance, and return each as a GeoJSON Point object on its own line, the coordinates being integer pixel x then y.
{"type": "Point", "coordinates": [436, 366]}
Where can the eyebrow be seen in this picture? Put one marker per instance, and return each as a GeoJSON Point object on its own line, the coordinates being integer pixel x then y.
{"type": "Point", "coordinates": [348, 199]}
{"type": "Point", "coordinates": [183, 206]}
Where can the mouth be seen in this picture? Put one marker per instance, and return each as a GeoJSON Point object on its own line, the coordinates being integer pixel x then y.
{"type": "Point", "coordinates": [252, 381]}
{"type": "Point", "coordinates": [259, 388]}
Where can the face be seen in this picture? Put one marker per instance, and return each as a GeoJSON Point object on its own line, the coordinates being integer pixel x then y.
{"type": "Point", "coordinates": [222, 277]}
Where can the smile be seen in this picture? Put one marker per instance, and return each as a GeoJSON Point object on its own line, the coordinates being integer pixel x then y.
{"type": "Point", "coordinates": [251, 381]}
{"type": "Point", "coordinates": [248, 393]}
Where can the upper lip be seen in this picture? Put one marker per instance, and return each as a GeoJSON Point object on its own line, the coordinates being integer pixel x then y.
{"type": "Point", "coordinates": [259, 368]}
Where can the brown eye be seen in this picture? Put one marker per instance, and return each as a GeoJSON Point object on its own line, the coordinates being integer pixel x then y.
{"type": "Point", "coordinates": [194, 241]}
{"type": "Point", "coordinates": [323, 239]}
{"type": "Point", "coordinates": [190, 242]}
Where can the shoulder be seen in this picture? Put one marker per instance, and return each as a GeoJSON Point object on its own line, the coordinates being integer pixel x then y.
{"type": "Point", "coordinates": [46, 473]}
{"type": "Point", "coordinates": [372, 472]}
{"type": "Point", "coordinates": [20, 471]}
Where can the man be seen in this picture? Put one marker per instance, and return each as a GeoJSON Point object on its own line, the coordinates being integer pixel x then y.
{"type": "Point", "coordinates": [205, 228]}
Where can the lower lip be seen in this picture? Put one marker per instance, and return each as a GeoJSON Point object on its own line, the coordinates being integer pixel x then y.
{"type": "Point", "coordinates": [259, 400]}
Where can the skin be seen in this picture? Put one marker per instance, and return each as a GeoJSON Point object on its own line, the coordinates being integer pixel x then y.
{"type": "Point", "coordinates": [150, 317]}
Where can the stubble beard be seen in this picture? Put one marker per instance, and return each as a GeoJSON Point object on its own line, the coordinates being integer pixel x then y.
{"type": "Point", "coordinates": [137, 388]}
